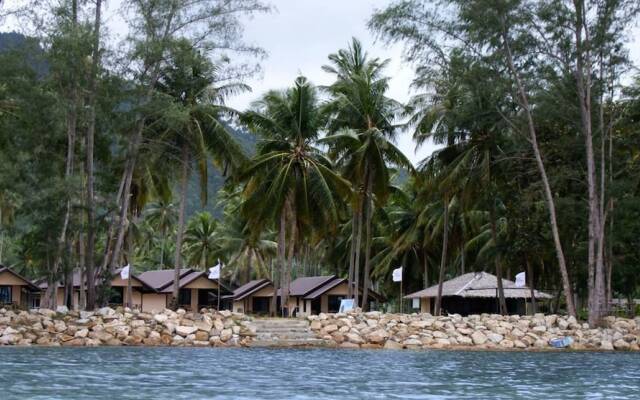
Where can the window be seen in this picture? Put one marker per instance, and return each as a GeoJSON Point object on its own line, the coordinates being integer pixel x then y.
{"type": "Point", "coordinates": [184, 297]}
{"type": "Point", "coordinates": [5, 294]}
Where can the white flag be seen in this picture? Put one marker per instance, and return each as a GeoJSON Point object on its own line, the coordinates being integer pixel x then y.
{"type": "Point", "coordinates": [397, 275]}
{"type": "Point", "coordinates": [214, 272]}
{"type": "Point", "coordinates": [521, 279]}
{"type": "Point", "coordinates": [124, 272]}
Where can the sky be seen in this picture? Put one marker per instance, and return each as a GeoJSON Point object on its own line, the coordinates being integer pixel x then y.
{"type": "Point", "coordinates": [299, 35]}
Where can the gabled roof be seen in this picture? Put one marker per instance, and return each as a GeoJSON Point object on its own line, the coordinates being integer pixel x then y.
{"type": "Point", "coordinates": [478, 284]}
{"type": "Point", "coordinates": [306, 285]}
{"type": "Point", "coordinates": [249, 288]}
{"type": "Point", "coordinates": [17, 275]}
{"type": "Point", "coordinates": [332, 284]}
{"type": "Point", "coordinates": [43, 284]}
{"type": "Point", "coordinates": [160, 279]}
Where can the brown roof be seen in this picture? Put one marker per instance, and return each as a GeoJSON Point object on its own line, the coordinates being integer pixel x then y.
{"type": "Point", "coordinates": [333, 283]}
{"type": "Point", "coordinates": [27, 281]}
{"type": "Point", "coordinates": [306, 285]}
{"type": "Point", "coordinates": [249, 288]}
{"type": "Point", "coordinates": [477, 284]}
{"type": "Point", "coordinates": [161, 278]}
{"type": "Point", "coordinates": [43, 284]}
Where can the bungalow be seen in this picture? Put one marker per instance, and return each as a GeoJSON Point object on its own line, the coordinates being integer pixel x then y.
{"type": "Point", "coordinates": [474, 293]}
{"type": "Point", "coordinates": [254, 297]}
{"type": "Point", "coordinates": [16, 290]}
{"type": "Point", "coordinates": [307, 295]}
{"type": "Point", "coordinates": [196, 290]}
{"type": "Point", "coordinates": [118, 290]}
{"type": "Point", "coordinates": [322, 294]}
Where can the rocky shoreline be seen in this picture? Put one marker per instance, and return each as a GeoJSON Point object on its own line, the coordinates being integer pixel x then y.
{"type": "Point", "coordinates": [372, 330]}
{"type": "Point", "coordinates": [475, 332]}
{"type": "Point", "coordinates": [124, 327]}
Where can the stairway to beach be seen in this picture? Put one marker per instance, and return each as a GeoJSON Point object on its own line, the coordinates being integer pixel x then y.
{"type": "Point", "coordinates": [284, 332]}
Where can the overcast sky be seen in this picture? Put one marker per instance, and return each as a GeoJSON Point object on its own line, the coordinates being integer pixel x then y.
{"type": "Point", "coordinates": [300, 34]}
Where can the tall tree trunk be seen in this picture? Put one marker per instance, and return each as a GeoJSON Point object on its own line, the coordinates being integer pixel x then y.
{"type": "Point", "coordinates": [443, 258]}
{"type": "Point", "coordinates": [184, 180]}
{"type": "Point", "coordinates": [356, 269]}
{"type": "Point", "coordinates": [91, 287]}
{"type": "Point", "coordinates": [425, 263]}
{"type": "Point", "coordinates": [130, 253]}
{"type": "Point", "coordinates": [277, 284]}
{"type": "Point", "coordinates": [462, 266]}
{"type": "Point", "coordinates": [532, 292]}
{"type": "Point", "coordinates": [82, 296]}
{"type": "Point", "coordinates": [292, 244]}
{"type": "Point", "coordinates": [551, 206]}
{"type": "Point", "coordinates": [595, 247]}
{"type": "Point", "coordinates": [498, 262]}
{"type": "Point", "coordinates": [247, 276]}
{"type": "Point", "coordinates": [367, 254]}
{"type": "Point", "coordinates": [352, 251]}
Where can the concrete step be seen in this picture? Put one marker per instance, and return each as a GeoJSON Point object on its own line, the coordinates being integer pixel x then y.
{"type": "Point", "coordinates": [291, 343]}
{"type": "Point", "coordinates": [291, 335]}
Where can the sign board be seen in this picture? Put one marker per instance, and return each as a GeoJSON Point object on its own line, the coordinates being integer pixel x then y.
{"type": "Point", "coordinates": [415, 303]}
{"type": "Point", "coordinates": [346, 305]}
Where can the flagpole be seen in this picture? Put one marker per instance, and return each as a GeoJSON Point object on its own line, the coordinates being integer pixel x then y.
{"type": "Point", "coordinates": [219, 279]}
{"type": "Point", "coordinates": [400, 291]}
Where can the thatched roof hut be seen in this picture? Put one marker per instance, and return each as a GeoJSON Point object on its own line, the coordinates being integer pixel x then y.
{"type": "Point", "coordinates": [476, 292]}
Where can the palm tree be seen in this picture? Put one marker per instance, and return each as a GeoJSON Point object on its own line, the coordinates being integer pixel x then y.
{"type": "Point", "coordinates": [195, 124]}
{"type": "Point", "coordinates": [361, 123]}
{"type": "Point", "coordinates": [246, 249]}
{"type": "Point", "coordinates": [200, 239]}
{"type": "Point", "coordinates": [290, 182]}
{"type": "Point", "coordinates": [464, 114]}
{"type": "Point", "coordinates": [162, 216]}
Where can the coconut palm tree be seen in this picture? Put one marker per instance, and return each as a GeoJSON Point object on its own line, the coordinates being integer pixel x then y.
{"type": "Point", "coordinates": [361, 122]}
{"type": "Point", "coordinates": [161, 215]}
{"type": "Point", "coordinates": [200, 240]}
{"type": "Point", "coordinates": [291, 184]}
{"type": "Point", "coordinates": [464, 114]}
{"type": "Point", "coordinates": [194, 124]}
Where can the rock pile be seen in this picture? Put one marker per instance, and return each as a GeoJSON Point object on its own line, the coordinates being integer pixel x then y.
{"type": "Point", "coordinates": [110, 327]}
{"type": "Point", "coordinates": [424, 331]}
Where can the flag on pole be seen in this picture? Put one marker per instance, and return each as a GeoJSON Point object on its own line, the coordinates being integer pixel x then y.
{"type": "Point", "coordinates": [214, 272]}
{"type": "Point", "coordinates": [397, 275]}
{"type": "Point", "coordinates": [521, 279]}
{"type": "Point", "coordinates": [124, 272]}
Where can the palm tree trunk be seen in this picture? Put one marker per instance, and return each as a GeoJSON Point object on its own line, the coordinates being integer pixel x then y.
{"type": "Point", "coordinates": [181, 217]}
{"type": "Point", "coordinates": [425, 274]}
{"type": "Point", "coordinates": [292, 244]}
{"type": "Point", "coordinates": [352, 252]}
{"type": "Point", "coordinates": [367, 254]}
{"type": "Point", "coordinates": [443, 258]}
{"type": "Point", "coordinates": [498, 261]}
{"type": "Point", "coordinates": [248, 270]}
{"type": "Point", "coordinates": [356, 270]}
{"type": "Point", "coordinates": [164, 240]}
{"type": "Point", "coordinates": [551, 206]}
{"type": "Point", "coordinates": [281, 259]}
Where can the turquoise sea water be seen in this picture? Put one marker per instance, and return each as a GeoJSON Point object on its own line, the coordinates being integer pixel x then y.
{"type": "Point", "coordinates": [201, 373]}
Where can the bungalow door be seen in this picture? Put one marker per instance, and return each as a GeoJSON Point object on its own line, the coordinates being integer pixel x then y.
{"type": "Point", "coordinates": [5, 294]}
